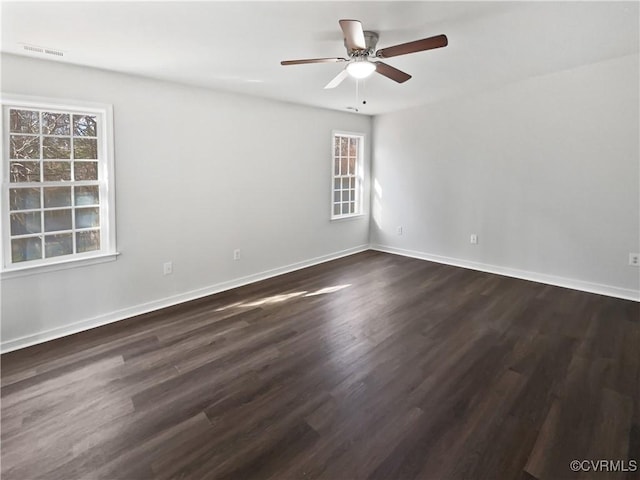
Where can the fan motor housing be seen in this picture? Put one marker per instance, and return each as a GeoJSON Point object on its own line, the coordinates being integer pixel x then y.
{"type": "Point", "coordinates": [370, 39]}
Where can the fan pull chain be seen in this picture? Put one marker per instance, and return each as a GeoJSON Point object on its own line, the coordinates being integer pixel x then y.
{"type": "Point", "coordinates": [364, 95]}
{"type": "Point", "coordinates": [364, 102]}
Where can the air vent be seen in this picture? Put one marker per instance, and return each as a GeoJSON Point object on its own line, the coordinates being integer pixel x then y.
{"type": "Point", "coordinates": [53, 52]}
{"type": "Point", "coordinates": [34, 49]}
{"type": "Point", "coordinates": [48, 51]}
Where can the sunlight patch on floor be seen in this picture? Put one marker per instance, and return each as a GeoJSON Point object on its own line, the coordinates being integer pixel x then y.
{"type": "Point", "coordinates": [284, 297]}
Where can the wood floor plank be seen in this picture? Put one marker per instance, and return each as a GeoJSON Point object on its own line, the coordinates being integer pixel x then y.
{"type": "Point", "coordinates": [371, 366]}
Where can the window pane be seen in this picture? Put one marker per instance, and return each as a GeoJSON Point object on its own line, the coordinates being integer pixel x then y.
{"type": "Point", "coordinates": [353, 183]}
{"type": "Point", "coordinates": [57, 171]}
{"type": "Point", "coordinates": [56, 147]}
{"type": "Point", "coordinates": [336, 196]}
{"type": "Point", "coordinates": [87, 195]}
{"type": "Point", "coordinates": [85, 148]}
{"type": "Point", "coordinates": [55, 124]}
{"type": "Point", "coordinates": [22, 146]}
{"type": "Point", "coordinates": [25, 223]}
{"type": "Point", "coordinates": [336, 183]}
{"type": "Point", "coordinates": [344, 146]}
{"type": "Point", "coordinates": [57, 197]}
{"type": "Point", "coordinates": [344, 166]}
{"type": "Point", "coordinates": [84, 125]}
{"type": "Point", "coordinates": [24, 198]}
{"type": "Point", "coordinates": [24, 121]}
{"type": "Point", "coordinates": [352, 166]}
{"type": "Point", "coordinates": [85, 170]}
{"type": "Point", "coordinates": [353, 147]}
{"type": "Point", "coordinates": [336, 146]}
{"type": "Point", "coordinates": [56, 245]}
{"type": "Point", "coordinates": [88, 241]}
{"type": "Point", "coordinates": [352, 207]}
{"type": "Point", "coordinates": [345, 195]}
{"type": "Point", "coordinates": [87, 217]}
{"type": "Point", "coordinates": [23, 249]}
{"type": "Point", "coordinates": [352, 195]}
{"type": "Point", "coordinates": [55, 220]}
{"type": "Point", "coordinates": [345, 183]}
{"type": "Point", "coordinates": [345, 208]}
{"type": "Point", "coordinates": [336, 209]}
{"type": "Point", "coordinates": [24, 172]}
{"type": "Point", "coordinates": [336, 167]}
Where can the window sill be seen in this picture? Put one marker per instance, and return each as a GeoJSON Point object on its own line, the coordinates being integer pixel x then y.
{"type": "Point", "coordinates": [348, 217]}
{"type": "Point", "coordinates": [62, 265]}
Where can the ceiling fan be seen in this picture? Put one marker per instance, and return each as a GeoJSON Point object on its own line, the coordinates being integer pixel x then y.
{"type": "Point", "coordinates": [360, 45]}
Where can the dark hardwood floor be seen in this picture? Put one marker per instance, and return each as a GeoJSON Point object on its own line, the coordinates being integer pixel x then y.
{"type": "Point", "coordinates": [372, 366]}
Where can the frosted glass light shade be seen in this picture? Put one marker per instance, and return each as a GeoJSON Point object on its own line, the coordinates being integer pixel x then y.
{"type": "Point", "coordinates": [360, 69]}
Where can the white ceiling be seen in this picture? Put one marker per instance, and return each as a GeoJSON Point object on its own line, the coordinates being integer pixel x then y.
{"type": "Point", "coordinates": [237, 46]}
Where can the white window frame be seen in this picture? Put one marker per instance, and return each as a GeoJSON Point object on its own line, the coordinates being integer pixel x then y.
{"type": "Point", "coordinates": [106, 180]}
{"type": "Point", "coordinates": [358, 176]}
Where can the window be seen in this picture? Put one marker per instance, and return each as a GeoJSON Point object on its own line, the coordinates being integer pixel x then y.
{"type": "Point", "coordinates": [347, 175]}
{"type": "Point", "coordinates": [57, 183]}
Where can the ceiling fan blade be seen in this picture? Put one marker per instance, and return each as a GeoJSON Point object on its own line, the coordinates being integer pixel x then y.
{"type": "Point", "coordinates": [412, 47]}
{"type": "Point", "coordinates": [337, 80]}
{"type": "Point", "coordinates": [353, 34]}
{"type": "Point", "coordinates": [391, 72]}
{"type": "Point", "coordinates": [313, 60]}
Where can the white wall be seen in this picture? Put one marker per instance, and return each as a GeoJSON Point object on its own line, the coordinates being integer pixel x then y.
{"type": "Point", "coordinates": [545, 171]}
{"type": "Point", "coordinates": [242, 173]}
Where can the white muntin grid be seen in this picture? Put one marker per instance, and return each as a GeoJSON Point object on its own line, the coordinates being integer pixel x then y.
{"type": "Point", "coordinates": [62, 198]}
{"type": "Point", "coordinates": [347, 154]}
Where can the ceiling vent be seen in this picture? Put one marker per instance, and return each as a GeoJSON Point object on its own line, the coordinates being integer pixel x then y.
{"type": "Point", "coordinates": [48, 51]}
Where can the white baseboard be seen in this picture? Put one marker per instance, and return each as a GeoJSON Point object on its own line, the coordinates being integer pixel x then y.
{"type": "Point", "coordinates": [611, 291]}
{"type": "Point", "coordinates": [52, 334]}
{"type": "Point", "coordinates": [76, 327]}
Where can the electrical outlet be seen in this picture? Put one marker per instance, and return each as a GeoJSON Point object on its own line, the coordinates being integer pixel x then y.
{"type": "Point", "coordinates": [473, 239]}
{"type": "Point", "coordinates": [399, 230]}
{"type": "Point", "coordinates": [167, 268]}
{"type": "Point", "coordinates": [236, 254]}
{"type": "Point", "coordinates": [634, 259]}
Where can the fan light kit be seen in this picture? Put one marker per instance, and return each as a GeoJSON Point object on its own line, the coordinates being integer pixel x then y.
{"type": "Point", "coordinates": [361, 44]}
{"type": "Point", "coordinates": [360, 69]}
